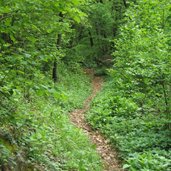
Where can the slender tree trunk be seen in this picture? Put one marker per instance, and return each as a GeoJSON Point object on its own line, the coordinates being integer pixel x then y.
{"type": "Point", "coordinates": [165, 98]}
{"type": "Point", "coordinates": [54, 72]}
{"type": "Point", "coordinates": [58, 44]}
{"type": "Point", "coordinates": [167, 107]}
{"type": "Point", "coordinates": [91, 39]}
{"type": "Point", "coordinates": [125, 4]}
{"type": "Point", "coordinates": [80, 34]}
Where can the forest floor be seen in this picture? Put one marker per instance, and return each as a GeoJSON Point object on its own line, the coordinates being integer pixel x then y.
{"type": "Point", "coordinates": [107, 153]}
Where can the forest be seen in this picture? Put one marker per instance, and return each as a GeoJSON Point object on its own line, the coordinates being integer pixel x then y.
{"type": "Point", "coordinates": [85, 85]}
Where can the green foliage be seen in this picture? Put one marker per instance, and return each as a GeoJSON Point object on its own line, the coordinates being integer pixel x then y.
{"type": "Point", "coordinates": [35, 132]}
{"type": "Point", "coordinates": [41, 40]}
{"type": "Point", "coordinates": [142, 140]}
{"type": "Point", "coordinates": [133, 110]}
{"type": "Point", "coordinates": [142, 59]}
{"type": "Point", "coordinates": [94, 37]}
{"type": "Point", "coordinates": [38, 132]}
{"type": "Point", "coordinates": [28, 39]}
{"type": "Point", "coordinates": [74, 88]}
{"type": "Point", "coordinates": [153, 161]}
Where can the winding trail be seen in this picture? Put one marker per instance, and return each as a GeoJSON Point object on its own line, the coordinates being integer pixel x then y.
{"type": "Point", "coordinates": [107, 153]}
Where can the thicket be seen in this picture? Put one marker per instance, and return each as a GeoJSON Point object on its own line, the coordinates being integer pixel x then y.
{"type": "Point", "coordinates": [37, 134]}
{"type": "Point", "coordinates": [39, 86]}
{"type": "Point", "coordinates": [94, 39]}
{"type": "Point", "coordinates": [133, 110]}
{"type": "Point", "coordinates": [43, 46]}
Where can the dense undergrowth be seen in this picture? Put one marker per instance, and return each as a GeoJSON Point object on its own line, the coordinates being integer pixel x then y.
{"type": "Point", "coordinates": [142, 140]}
{"type": "Point", "coordinates": [37, 90]}
{"type": "Point", "coordinates": [134, 110]}
{"type": "Point", "coordinates": [36, 132]}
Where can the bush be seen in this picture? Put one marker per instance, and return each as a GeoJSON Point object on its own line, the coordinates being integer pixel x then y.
{"type": "Point", "coordinates": [36, 132]}
{"type": "Point", "coordinates": [137, 137]}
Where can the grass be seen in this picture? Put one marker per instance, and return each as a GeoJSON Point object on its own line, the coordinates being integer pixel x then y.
{"type": "Point", "coordinates": [143, 141]}
{"type": "Point", "coordinates": [38, 133]}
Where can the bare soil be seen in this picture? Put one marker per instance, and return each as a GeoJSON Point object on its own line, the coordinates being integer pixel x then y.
{"type": "Point", "coordinates": [107, 153]}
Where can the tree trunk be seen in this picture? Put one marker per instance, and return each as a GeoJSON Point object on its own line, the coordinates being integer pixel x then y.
{"type": "Point", "coordinates": [58, 44]}
{"type": "Point", "coordinates": [125, 4]}
{"type": "Point", "coordinates": [91, 39]}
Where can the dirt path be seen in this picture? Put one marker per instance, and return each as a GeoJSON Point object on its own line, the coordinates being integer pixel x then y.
{"type": "Point", "coordinates": [107, 153]}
